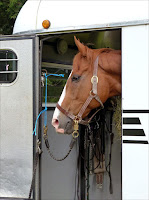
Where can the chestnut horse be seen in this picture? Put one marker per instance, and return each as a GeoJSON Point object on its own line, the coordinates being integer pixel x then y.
{"type": "Point", "coordinates": [79, 87]}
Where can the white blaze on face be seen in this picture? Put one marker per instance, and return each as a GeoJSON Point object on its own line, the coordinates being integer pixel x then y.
{"type": "Point", "coordinates": [55, 119]}
{"type": "Point", "coordinates": [57, 112]}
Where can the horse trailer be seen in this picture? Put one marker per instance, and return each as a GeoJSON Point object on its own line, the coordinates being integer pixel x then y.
{"type": "Point", "coordinates": [43, 43]}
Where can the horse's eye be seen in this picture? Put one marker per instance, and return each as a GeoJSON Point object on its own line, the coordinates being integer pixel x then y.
{"type": "Point", "coordinates": [75, 78]}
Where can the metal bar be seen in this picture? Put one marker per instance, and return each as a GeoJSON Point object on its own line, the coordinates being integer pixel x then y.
{"type": "Point", "coordinates": [9, 59]}
{"type": "Point", "coordinates": [36, 109]}
{"type": "Point", "coordinates": [56, 65]}
{"type": "Point", "coordinates": [8, 72]}
{"type": "Point", "coordinates": [11, 198]}
{"type": "Point", "coordinates": [16, 37]}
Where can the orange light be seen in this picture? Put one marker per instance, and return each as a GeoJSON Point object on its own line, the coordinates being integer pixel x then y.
{"type": "Point", "coordinates": [46, 24]}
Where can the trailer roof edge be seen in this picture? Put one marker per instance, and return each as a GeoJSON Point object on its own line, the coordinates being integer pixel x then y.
{"type": "Point", "coordinates": [84, 28]}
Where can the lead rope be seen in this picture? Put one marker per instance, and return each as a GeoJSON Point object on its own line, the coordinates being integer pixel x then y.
{"type": "Point", "coordinates": [38, 150]}
{"type": "Point", "coordinates": [45, 136]}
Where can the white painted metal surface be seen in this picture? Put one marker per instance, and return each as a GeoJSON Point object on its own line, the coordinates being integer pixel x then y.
{"type": "Point", "coordinates": [16, 124]}
{"type": "Point", "coordinates": [135, 75]}
{"type": "Point", "coordinates": [68, 15]}
{"type": "Point", "coordinates": [135, 97]}
{"type": "Point", "coordinates": [135, 63]}
{"type": "Point", "coordinates": [135, 173]}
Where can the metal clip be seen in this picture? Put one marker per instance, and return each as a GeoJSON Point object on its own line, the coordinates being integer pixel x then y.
{"type": "Point", "coordinates": [42, 81]}
{"type": "Point", "coordinates": [75, 133]}
{"type": "Point", "coordinates": [76, 125]}
{"type": "Point", "coordinates": [45, 129]}
{"type": "Point", "coordinates": [38, 146]}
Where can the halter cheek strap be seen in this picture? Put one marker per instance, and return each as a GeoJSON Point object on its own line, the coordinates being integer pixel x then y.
{"type": "Point", "coordinates": [92, 95]}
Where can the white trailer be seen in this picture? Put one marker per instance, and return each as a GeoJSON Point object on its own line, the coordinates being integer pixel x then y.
{"type": "Point", "coordinates": [117, 24]}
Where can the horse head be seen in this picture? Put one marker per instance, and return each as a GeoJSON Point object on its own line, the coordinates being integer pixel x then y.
{"type": "Point", "coordinates": [79, 86]}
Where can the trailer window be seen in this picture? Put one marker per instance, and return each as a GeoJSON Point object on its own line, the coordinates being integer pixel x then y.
{"type": "Point", "coordinates": [8, 66]}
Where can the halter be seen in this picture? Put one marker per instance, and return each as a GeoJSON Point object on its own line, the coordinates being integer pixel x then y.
{"type": "Point", "coordinates": [92, 95]}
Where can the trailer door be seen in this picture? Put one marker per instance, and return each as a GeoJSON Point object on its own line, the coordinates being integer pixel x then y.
{"type": "Point", "coordinates": [135, 95]}
{"type": "Point", "coordinates": [17, 69]}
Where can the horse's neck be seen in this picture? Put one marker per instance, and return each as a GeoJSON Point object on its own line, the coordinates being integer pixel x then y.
{"type": "Point", "coordinates": [115, 85]}
{"type": "Point", "coordinates": [110, 71]}
{"type": "Point", "coordinates": [109, 85]}
{"type": "Point", "coordinates": [110, 61]}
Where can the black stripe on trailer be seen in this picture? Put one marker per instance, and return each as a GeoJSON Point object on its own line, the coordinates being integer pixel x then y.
{"type": "Point", "coordinates": [135, 141]}
{"type": "Point", "coordinates": [135, 111]}
{"type": "Point", "coordinates": [133, 132]}
{"type": "Point", "coordinates": [131, 120]}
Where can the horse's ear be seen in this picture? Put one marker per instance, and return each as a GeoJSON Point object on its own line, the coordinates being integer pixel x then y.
{"type": "Point", "coordinates": [82, 48]}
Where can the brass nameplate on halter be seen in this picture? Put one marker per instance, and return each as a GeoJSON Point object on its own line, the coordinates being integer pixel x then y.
{"type": "Point", "coordinates": [93, 79]}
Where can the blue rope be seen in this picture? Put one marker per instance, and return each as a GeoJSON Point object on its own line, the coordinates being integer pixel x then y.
{"type": "Point", "coordinates": [44, 111]}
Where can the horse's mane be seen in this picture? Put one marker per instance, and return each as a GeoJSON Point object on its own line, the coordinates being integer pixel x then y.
{"type": "Point", "coordinates": [104, 50]}
{"type": "Point", "coordinates": [107, 50]}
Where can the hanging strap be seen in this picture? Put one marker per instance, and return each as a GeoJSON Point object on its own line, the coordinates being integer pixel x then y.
{"type": "Point", "coordinates": [108, 168]}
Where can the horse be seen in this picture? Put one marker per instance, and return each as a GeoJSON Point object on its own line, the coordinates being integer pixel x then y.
{"type": "Point", "coordinates": [95, 77]}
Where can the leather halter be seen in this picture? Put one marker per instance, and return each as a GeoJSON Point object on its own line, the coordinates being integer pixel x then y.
{"type": "Point", "coordinates": [92, 95]}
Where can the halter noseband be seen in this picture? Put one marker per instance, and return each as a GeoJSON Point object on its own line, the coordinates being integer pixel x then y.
{"type": "Point", "coordinates": [93, 95]}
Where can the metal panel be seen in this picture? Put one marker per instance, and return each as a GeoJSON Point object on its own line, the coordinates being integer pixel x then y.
{"type": "Point", "coordinates": [16, 124]}
{"type": "Point", "coordinates": [135, 77]}
{"type": "Point", "coordinates": [135, 172]}
{"type": "Point", "coordinates": [135, 51]}
{"type": "Point", "coordinates": [135, 104]}
{"type": "Point", "coordinates": [102, 13]}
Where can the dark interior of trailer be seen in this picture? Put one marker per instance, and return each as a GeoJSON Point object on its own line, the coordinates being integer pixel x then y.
{"type": "Point", "coordinates": [78, 177]}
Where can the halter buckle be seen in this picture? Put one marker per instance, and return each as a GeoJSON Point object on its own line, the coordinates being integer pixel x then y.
{"type": "Point", "coordinates": [93, 79]}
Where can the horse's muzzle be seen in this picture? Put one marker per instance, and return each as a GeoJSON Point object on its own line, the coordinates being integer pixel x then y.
{"type": "Point", "coordinates": [62, 124]}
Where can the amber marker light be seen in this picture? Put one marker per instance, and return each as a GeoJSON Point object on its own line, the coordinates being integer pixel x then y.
{"type": "Point", "coordinates": [46, 24]}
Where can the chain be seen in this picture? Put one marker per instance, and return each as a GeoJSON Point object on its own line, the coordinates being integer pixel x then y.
{"type": "Point", "coordinates": [45, 136]}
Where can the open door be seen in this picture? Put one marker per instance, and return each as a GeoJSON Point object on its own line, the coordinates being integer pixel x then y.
{"type": "Point", "coordinates": [18, 91]}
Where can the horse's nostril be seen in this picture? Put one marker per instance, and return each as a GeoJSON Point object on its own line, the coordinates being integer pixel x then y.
{"type": "Point", "coordinates": [55, 123]}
